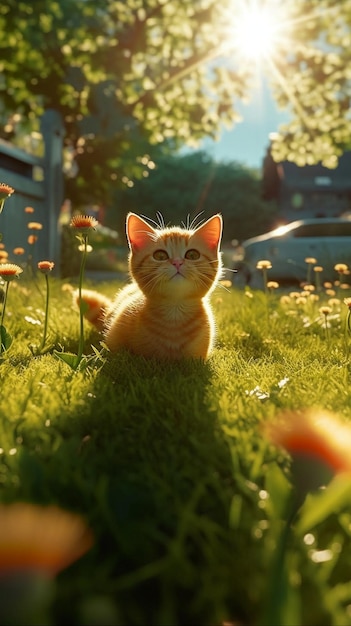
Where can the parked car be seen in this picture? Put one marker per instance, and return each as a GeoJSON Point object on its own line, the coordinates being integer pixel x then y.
{"type": "Point", "coordinates": [328, 240]}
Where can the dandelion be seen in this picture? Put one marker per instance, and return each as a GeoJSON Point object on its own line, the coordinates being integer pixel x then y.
{"type": "Point", "coordinates": [83, 224]}
{"type": "Point", "coordinates": [326, 310]}
{"type": "Point", "coordinates": [272, 285]}
{"type": "Point", "coordinates": [315, 440]}
{"type": "Point", "coordinates": [341, 268]}
{"type": "Point", "coordinates": [36, 543]}
{"type": "Point", "coordinates": [334, 303]}
{"type": "Point", "coordinates": [319, 447]}
{"type": "Point", "coordinates": [308, 287]}
{"type": "Point", "coordinates": [18, 251]}
{"type": "Point", "coordinates": [47, 539]}
{"type": "Point", "coordinates": [5, 192]}
{"type": "Point", "coordinates": [45, 267]}
{"type": "Point", "coordinates": [35, 226]}
{"type": "Point", "coordinates": [318, 269]}
{"type": "Point", "coordinates": [285, 300]}
{"type": "Point", "coordinates": [264, 265]}
{"type": "Point", "coordinates": [310, 262]}
{"type": "Point", "coordinates": [8, 271]}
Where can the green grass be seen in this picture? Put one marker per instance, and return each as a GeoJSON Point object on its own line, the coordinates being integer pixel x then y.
{"type": "Point", "coordinates": [168, 465]}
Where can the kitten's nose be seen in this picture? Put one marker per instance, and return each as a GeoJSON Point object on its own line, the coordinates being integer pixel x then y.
{"type": "Point", "coordinates": [177, 263]}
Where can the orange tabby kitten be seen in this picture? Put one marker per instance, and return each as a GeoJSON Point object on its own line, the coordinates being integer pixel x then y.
{"type": "Point", "coordinates": [165, 311]}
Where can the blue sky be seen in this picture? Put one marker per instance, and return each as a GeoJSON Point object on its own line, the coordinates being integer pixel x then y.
{"type": "Point", "coordinates": [248, 141]}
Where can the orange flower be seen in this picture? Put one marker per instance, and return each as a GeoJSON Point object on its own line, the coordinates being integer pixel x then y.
{"type": "Point", "coordinates": [18, 251]}
{"type": "Point", "coordinates": [45, 539]}
{"type": "Point", "coordinates": [29, 209]}
{"type": "Point", "coordinates": [3, 255]}
{"type": "Point", "coordinates": [32, 239]}
{"type": "Point", "coordinates": [9, 271]}
{"type": "Point", "coordinates": [35, 226]}
{"type": "Point", "coordinates": [5, 192]}
{"type": "Point", "coordinates": [83, 223]}
{"type": "Point", "coordinates": [46, 266]}
{"type": "Point", "coordinates": [317, 436]}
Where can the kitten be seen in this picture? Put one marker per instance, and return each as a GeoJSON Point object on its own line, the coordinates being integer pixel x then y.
{"type": "Point", "coordinates": [164, 312]}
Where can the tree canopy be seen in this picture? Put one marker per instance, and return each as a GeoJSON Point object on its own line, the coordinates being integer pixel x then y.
{"type": "Point", "coordinates": [127, 74]}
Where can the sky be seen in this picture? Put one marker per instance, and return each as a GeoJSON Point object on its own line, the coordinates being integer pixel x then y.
{"type": "Point", "coordinates": [248, 141]}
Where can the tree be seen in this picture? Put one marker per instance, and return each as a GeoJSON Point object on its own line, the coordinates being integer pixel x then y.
{"type": "Point", "coordinates": [125, 74]}
{"type": "Point", "coordinates": [193, 186]}
{"type": "Point", "coordinates": [311, 76]}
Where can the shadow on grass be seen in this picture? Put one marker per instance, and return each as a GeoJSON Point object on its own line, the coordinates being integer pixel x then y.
{"type": "Point", "coordinates": [144, 459]}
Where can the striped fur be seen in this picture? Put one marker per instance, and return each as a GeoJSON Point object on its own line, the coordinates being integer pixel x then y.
{"type": "Point", "coordinates": [165, 311]}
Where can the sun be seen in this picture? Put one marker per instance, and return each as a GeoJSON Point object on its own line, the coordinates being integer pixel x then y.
{"type": "Point", "coordinates": [258, 28]}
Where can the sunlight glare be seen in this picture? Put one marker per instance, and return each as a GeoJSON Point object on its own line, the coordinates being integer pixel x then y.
{"type": "Point", "coordinates": [257, 30]}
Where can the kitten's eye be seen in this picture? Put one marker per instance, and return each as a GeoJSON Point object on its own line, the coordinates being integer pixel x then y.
{"type": "Point", "coordinates": [160, 255]}
{"type": "Point", "coordinates": [192, 254]}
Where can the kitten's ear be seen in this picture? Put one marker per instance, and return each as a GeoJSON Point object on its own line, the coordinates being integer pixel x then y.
{"type": "Point", "coordinates": [139, 232]}
{"type": "Point", "coordinates": [211, 231]}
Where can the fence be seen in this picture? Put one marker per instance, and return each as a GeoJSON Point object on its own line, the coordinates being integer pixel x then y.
{"type": "Point", "coordinates": [38, 182]}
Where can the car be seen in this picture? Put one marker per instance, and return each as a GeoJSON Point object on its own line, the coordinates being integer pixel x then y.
{"type": "Point", "coordinates": [327, 240]}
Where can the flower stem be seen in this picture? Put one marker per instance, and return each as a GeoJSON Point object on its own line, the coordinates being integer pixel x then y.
{"type": "Point", "coordinates": [81, 305]}
{"type": "Point", "coordinates": [3, 314]}
{"type": "Point", "coordinates": [265, 280]}
{"type": "Point", "coordinates": [46, 313]}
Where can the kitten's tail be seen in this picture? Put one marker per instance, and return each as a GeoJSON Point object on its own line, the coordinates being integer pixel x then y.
{"type": "Point", "coordinates": [94, 306]}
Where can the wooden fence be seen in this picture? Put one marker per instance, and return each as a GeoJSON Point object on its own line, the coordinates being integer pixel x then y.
{"type": "Point", "coordinates": [38, 183]}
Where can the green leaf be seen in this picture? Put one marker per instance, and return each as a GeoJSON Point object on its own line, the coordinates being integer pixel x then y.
{"type": "Point", "coordinates": [279, 490]}
{"type": "Point", "coordinates": [5, 338]}
{"type": "Point", "coordinates": [319, 507]}
{"type": "Point", "coordinates": [69, 358]}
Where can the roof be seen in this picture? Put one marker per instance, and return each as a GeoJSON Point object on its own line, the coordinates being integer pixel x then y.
{"type": "Point", "coordinates": [317, 177]}
{"type": "Point", "coordinates": [278, 177]}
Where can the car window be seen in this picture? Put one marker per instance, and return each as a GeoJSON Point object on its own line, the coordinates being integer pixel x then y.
{"type": "Point", "coordinates": [323, 230]}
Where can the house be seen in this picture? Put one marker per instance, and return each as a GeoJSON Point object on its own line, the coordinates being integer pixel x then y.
{"type": "Point", "coordinates": [309, 191]}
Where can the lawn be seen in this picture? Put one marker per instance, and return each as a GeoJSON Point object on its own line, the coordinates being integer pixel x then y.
{"type": "Point", "coordinates": [169, 465]}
